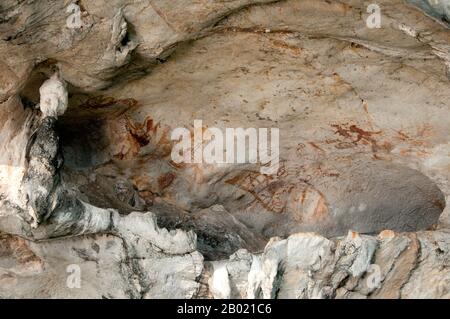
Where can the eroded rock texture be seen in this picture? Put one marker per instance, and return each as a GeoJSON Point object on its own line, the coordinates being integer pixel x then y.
{"type": "Point", "coordinates": [93, 205]}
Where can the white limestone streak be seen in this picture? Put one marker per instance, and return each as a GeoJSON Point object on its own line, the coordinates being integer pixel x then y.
{"type": "Point", "coordinates": [54, 98]}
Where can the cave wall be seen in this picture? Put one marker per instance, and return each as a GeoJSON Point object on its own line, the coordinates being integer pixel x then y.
{"type": "Point", "coordinates": [357, 208]}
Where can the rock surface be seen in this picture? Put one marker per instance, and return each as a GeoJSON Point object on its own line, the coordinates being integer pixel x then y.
{"type": "Point", "coordinates": [92, 204]}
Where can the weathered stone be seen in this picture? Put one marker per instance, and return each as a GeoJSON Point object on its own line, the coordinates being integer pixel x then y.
{"type": "Point", "coordinates": [93, 205]}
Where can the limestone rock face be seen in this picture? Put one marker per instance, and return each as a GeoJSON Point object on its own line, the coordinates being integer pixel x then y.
{"type": "Point", "coordinates": [306, 265]}
{"type": "Point", "coordinates": [54, 97]}
{"type": "Point", "coordinates": [93, 203]}
{"type": "Point", "coordinates": [135, 264]}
